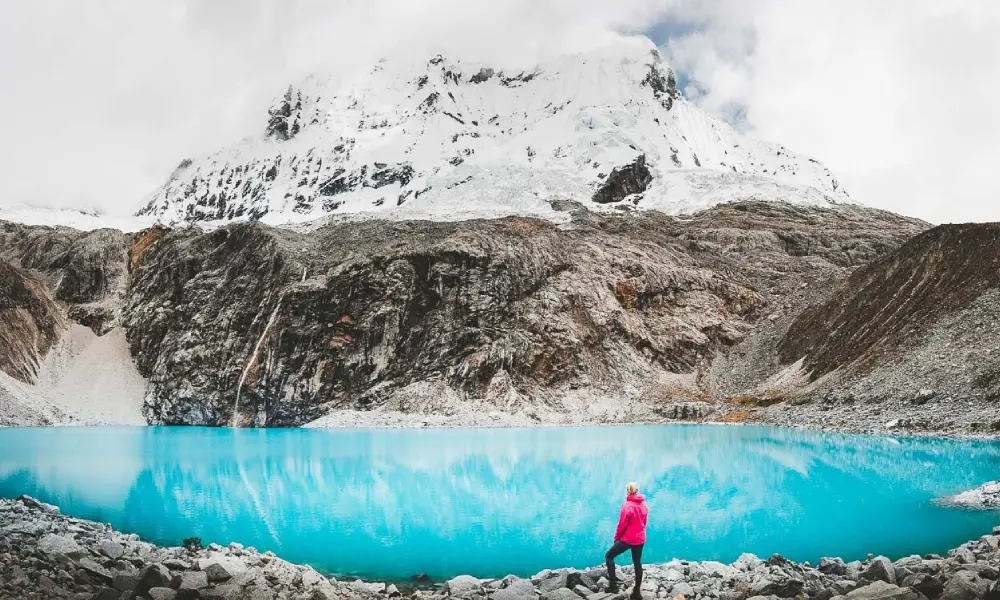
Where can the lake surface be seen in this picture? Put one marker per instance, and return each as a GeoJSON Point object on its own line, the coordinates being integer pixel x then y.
{"type": "Point", "coordinates": [393, 503]}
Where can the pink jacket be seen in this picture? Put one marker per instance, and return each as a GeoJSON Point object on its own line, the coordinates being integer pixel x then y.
{"type": "Point", "coordinates": [632, 522]}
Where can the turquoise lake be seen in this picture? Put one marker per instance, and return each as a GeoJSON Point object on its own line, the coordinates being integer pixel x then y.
{"type": "Point", "coordinates": [389, 504]}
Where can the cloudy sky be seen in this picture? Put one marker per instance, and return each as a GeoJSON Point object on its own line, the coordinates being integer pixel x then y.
{"type": "Point", "coordinates": [900, 98]}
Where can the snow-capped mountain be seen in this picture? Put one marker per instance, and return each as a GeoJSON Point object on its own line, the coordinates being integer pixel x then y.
{"type": "Point", "coordinates": [444, 139]}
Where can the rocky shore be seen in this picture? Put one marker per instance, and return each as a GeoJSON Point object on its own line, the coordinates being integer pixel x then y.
{"type": "Point", "coordinates": [47, 555]}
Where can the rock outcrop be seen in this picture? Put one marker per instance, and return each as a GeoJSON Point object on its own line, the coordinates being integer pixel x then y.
{"type": "Point", "coordinates": [254, 325]}
{"type": "Point", "coordinates": [30, 323]}
{"type": "Point", "coordinates": [906, 343]}
{"type": "Point", "coordinates": [624, 181]}
{"type": "Point", "coordinates": [606, 319]}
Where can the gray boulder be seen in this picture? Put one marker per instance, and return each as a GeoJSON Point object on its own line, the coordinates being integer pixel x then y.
{"type": "Point", "coordinates": [106, 594]}
{"type": "Point", "coordinates": [564, 594]}
{"type": "Point", "coordinates": [553, 582]}
{"type": "Point", "coordinates": [151, 577]}
{"type": "Point", "coordinates": [193, 580]}
{"type": "Point", "coordinates": [965, 585]}
{"type": "Point", "coordinates": [111, 549]}
{"type": "Point", "coordinates": [747, 562]}
{"type": "Point", "coordinates": [221, 568]}
{"type": "Point", "coordinates": [522, 589]}
{"type": "Point", "coordinates": [880, 590]}
{"type": "Point", "coordinates": [55, 545]}
{"type": "Point", "coordinates": [224, 592]}
{"type": "Point", "coordinates": [832, 566]}
{"type": "Point", "coordinates": [777, 583]}
{"type": "Point", "coordinates": [576, 578]}
{"type": "Point", "coordinates": [880, 569]}
{"type": "Point", "coordinates": [94, 569]}
{"type": "Point", "coordinates": [924, 583]}
{"type": "Point", "coordinates": [462, 585]}
{"type": "Point", "coordinates": [161, 593]}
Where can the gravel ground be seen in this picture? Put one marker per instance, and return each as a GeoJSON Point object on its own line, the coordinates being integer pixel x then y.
{"type": "Point", "coordinates": [44, 554]}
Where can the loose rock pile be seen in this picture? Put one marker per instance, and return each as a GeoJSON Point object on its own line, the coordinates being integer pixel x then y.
{"type": "Point", "coordinates": [44, 555]}
{"type": "Point", "coordinates": [47, 555]}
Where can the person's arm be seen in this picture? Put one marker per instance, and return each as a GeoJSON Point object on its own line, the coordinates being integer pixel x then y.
{"type": "Point", "coordinates": [622, 522]}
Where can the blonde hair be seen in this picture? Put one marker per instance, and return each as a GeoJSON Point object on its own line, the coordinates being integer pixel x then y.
{"type": "Point", "coordinates": [632, 489]}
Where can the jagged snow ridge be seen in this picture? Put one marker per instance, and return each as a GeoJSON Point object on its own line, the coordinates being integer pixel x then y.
{"type": "Point", "coordinates": [449, 140]}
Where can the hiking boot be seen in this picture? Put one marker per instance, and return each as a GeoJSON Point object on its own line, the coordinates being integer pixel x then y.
{"type": "Point", "coordinates": [612, 588]}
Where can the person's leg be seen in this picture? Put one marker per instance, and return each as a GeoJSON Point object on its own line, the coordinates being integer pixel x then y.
{"type": "Point", "coordinates": [637, 563]}
{"type": "Point", "coordinates": [609, 559]}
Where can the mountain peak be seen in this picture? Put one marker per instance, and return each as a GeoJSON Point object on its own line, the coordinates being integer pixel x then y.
{"type": "Point", "coordinates": [445, 139]}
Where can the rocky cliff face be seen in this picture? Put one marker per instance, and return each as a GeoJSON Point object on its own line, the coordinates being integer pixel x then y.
{"type": "Point", "coordinates": [604, 318]}
{"type": "Point", "coordinates": [260, 326]}
{"type": "Point", "coordinates": [30, 323]}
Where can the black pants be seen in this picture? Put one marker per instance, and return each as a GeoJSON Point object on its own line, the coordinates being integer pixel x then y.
{"type": "Point", "coordinates": [619, 548]}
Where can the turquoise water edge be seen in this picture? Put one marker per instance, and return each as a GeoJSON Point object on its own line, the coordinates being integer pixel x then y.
{"type": "Point", "coordinates": [391, 503]}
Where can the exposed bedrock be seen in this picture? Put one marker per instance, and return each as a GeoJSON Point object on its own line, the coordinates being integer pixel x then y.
{"type": "Point", "coordinates": [517, 313]}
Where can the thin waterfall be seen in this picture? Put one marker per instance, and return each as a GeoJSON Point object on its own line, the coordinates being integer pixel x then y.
{"type": "Point", "coordinates": [253, 358]}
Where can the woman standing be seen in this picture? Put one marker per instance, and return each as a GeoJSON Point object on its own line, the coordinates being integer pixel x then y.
{"type": "Point", "coordinates": [630, 535]}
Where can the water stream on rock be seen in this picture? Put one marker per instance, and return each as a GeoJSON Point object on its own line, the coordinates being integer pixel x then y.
{"type": "Point", "coordinates": [393, 503]}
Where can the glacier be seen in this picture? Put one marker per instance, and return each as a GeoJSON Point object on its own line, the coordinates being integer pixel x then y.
{"type": "Point", "coordinates": [446, 140]}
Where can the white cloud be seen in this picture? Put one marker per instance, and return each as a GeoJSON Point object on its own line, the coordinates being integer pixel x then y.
{"type": "Point", "coordinates": [898, 98]}
{"type": "Point", "coordinates": [102, 99]}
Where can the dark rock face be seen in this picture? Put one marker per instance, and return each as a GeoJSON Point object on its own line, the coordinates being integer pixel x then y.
{"type": "Point", "coordinates": [632, 178]}
{"type": "Point", "coordinates": [888, 303]}
{"type": "Point", "coordinates": [86, 270]}
{"type": "Point", "coordinates": [30, 323]}
{"type": "Point", "coordinates": [354, 315]}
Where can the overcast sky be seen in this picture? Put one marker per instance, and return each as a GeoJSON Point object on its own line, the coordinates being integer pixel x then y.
{"type": "Point", "coordinates": [901, 99]}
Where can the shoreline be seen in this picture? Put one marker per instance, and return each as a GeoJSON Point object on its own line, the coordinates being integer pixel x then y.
{"type": "Point", "coordinates": [45, 554]}
{"type": "Point", "coordinates": [811, 427]}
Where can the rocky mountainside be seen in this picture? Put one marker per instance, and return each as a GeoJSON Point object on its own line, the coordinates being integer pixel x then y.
{"type": "Point", "coordinates": [516, 320]}
{"type": "Point", "coordinates": [909, 341]}
{"type": "Point", "coordinates": [444, 139]}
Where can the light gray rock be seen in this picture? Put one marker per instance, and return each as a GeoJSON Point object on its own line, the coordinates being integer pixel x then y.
{"type": "Point", "coordinates": [880, 569]}
{"type": "Point", "coordinates": [310, 578]}
{"type": "Point", "coordinates": [555, 581]}
{"type": "Point", "coordinates": [580, 590]}
{"type": "Point", "coordinates": [193, 580]}
{"type": "Point", "coordinates": [151, 577]}
{"type": "Point", "coordinates": [518, 590]}
{"type": "Point", "coordinates": [177, 564]}
{"type": "Point", "coordinates": [111, 549]}
{"type": "Point", "coordinates": [222, 568]}
{"type": "Point", "coordinates": [161, 593]}
{"type": "Point", "coordinates": [683, 588]}
{"type": "Point", "coordinates": [965, 585]}
{"type": "Point", "coordinates": [223, 592]}
{"type": "Point", "coordinates": [716, 569]}
{"type": "Point", "coordinates": [91, 566]}
{"type": "Point", "coordinates": [462, 585]}
{"type": "Point", "coordinates": [365, 587]}
{"type": "Point", "coordinates": [880, 590]}
{"type": "Point", "coordinates": [53, 545]}
{"type": "Point", "coordinates": [324, 592]}
{"type": "Point", "coordinates": [832, 566]}
{"type": "Point", "coordinates": [747, 562]}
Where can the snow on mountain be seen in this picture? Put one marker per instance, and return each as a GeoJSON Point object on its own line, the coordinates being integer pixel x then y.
{"type": "Point", "coordinates": [84, 220]}
{"type": "Point", "coordinates": [448, 140]}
